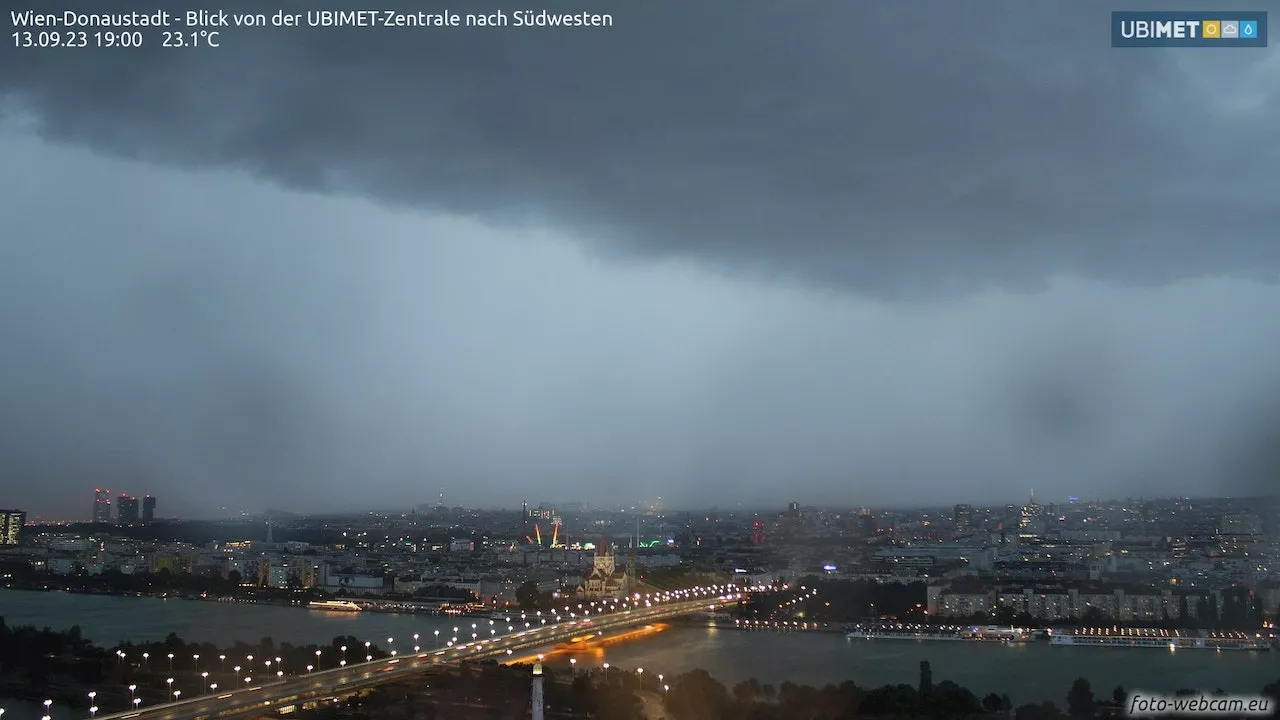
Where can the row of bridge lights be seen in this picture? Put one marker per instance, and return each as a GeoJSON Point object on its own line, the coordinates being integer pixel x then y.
{"type": "Point", "coordinates": [634, 602]}
{"type": "Point", "coordinates": [176, 694]}
{"type": "Point", "coordinates": [648, 599]}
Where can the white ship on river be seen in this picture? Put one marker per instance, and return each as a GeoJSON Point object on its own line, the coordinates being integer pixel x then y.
{"type": "Point", "coordinates": [334, 605]}
{"type": "Point", "coordinates": [1162, 639]}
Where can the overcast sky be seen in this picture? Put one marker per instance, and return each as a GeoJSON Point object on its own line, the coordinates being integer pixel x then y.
{"type": "Point", "coordinates": [739, 252]}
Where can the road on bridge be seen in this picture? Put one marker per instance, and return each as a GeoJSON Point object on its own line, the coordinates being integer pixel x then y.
{"type": "Point", "coordinates": [343, 680]}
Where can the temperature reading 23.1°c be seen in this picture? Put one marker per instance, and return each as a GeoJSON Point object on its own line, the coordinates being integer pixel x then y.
{"type": "Point", "coordinates": [191, 39]}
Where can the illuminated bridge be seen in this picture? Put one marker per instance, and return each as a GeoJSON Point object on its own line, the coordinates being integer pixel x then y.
{"type": "Point", "coordinates": [325, 684]}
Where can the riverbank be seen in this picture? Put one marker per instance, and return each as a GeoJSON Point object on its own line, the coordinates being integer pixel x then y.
{"type": "Point", "coordinates": [62, 667]}
{"type": "Point", "coordinates": [1028, 673]}
{"type": "Point", "coordinates": [255, 596]}
{"type": "Point", "coordinates": [66, 669]}
{"type": "Point", "coordinates": [274, 597]}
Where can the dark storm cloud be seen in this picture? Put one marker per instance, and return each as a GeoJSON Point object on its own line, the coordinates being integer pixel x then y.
{"type": "Point", "coordinates": [906, 148]}
{"type": "Point", "coordinates": [224, 341]}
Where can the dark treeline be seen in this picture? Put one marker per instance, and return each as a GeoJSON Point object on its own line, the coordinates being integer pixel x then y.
{"type": "Point", "coordinates": [489, 691]}
{"type": "Point", "coordinates": [38, 664]}
{"type": "Point", "coordinates": [696, 695]}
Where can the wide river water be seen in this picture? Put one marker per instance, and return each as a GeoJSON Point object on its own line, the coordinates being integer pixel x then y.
{"type": "Point", "coordinates": [1029, 673]}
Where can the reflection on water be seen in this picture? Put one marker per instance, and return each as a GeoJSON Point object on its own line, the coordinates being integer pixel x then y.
{"type": "Point", "coordinates": [1029, 673]}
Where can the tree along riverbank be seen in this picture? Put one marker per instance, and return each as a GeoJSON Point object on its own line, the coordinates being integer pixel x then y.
{"type": "Point", "coordinates": [44, 664]}
{"type": "Point", "coordinates": [61, 666]}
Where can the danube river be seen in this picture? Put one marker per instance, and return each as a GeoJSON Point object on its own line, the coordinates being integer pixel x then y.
{"type": "Point", "coordinates": [1029, 673]}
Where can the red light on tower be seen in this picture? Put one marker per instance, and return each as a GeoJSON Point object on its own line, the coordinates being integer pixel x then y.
{"type": "Point", "coordinates": [757, 532]}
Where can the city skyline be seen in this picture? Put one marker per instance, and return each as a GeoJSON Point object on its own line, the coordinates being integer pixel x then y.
{"type": "Point", "coordinates": [805, 259]}
{"type": "Point", "coordinates": [640, 508]}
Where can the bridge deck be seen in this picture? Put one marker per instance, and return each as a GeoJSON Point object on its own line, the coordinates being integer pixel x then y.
{"type": "Point", "coordinates": [343, 680]}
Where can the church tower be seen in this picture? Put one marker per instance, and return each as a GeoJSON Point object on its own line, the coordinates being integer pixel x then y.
{"type": "Point", "coordinates": [630, 580]}
{"type": "Point", "coordinates": [605, 563]}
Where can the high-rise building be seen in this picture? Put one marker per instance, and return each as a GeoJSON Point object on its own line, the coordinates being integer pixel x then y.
{"type": "Point", "coordinates": [1029, 513]}
{"type": "Point", "coordinates": [101, 505]}
{"type": "Point", "coordinates": [127, 509]}
{"type": "Point", "coordinates": [11, 522]}
{"type": "Point", "coordinates": [963, 518]}
{"type": "Point", "coordinates": [148, 508]}
{"type": "Point", "coordinates": [867, 523]}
